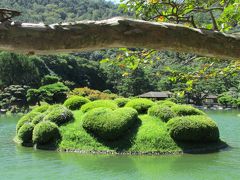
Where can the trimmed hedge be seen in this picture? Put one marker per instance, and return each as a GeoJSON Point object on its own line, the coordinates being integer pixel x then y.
{"type": "Point", "coordinates": [59, 115]}
{"type": "Point", "coordinates": [166, 103]}
{"type": "Point", "coordinates": [193, 129]}
{"type": "Point", "coordinates": [25, 132]}
{"type": "Point", "coordinates": [140, 104]}
{"type": "Point", "coordinates": [121, 102]}
{"type": "Point", "coordinates": [99, 103]}
{"type": "Point", "coordinates": [109, 124]}
{"type": "Point", "coordinates": [37, 119]}
{"type": "Point", "coordinates": [41, 109]}
{"type": "Point", "coordinates": [75, 102]}
{"type": "Point", "coordinates": [163, 112]}
{"type": "Point", "coordinates": [186, 110]}
{"type": "Point", "coordinates": [26, 119]}
{"type": "Point", "coordinates": [45, 133]}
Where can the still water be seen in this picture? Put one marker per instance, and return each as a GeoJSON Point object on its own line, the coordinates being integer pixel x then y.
{"type": "Point", "coordinates": [18, 162]}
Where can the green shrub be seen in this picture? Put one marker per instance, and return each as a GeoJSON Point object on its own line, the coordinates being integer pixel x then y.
{"type": "Point", "coordinates": [121, 102]}
{"type": "Point", "coordinates": [37, 119]}
{"type": "Point", "coordinates": [26, 119]}
{"type": "Point", "coordinates": [163, 112]}
{"type": "Point", "coordinates": [109, 124]}
{"type": "Point", "coordinates": [46, 133]}
{"type": "Point", "coordinates": [99, 103]}
{"type": "Point", "coordinates": [166, 103]}
{"type": "Point", "coordinates": [75, 102]}
{"type": "Point", "coordinates": [186, 110]}
{"type": "Point", "coordinates": [41, 109]}
{"type": "Point", "coordinates": [193, 129]}
{"type": "Point", "coordinates": [140, 104]}
{"type": "Point", "coordinates": [59, 115]}
{"type": "Point", "coordinates": [25, 132]}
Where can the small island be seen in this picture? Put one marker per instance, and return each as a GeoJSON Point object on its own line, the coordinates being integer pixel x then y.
{"type": "Point", "coordinates": [119, 126]}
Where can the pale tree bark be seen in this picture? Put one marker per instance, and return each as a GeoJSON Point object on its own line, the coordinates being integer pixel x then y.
{"type": "Point", "coordinates": [114, 33]}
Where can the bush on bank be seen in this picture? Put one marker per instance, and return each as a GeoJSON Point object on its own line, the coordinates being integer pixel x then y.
{"type": "Point", "coordinates": [186, 110]}
{"type": "Point", "coordinates": [193, 129]}
{"type": "Point", "coordinates": [140, 104]}
{"type": "Point", "coordinates": [75, 102]}
{"type": "Point", "coordinates": [99, 103]}
{"type": "Point", "coordinates": [26, 119]}
{"type": "Point", "coordinates": [163, 112]}
{"type": "Point", "coordinates": [25, 132]}
{"type": "Point", "coordinates": [121, 102]}
{"type": "Point", "coordinates": [166, 103]}
{"type": "Point", "coordinates": [109, 124]}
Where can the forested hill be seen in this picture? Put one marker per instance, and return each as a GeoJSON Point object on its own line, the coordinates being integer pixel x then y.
{"type": "Point", "coordinates": [52, 11]}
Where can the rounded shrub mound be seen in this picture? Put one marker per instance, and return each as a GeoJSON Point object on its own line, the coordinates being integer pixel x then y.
{"type": "Point", "coordinates": [186, 110]}
{"type": "Point", "coordinates": [166, 103]}
{"type": "Point", "coordinates": [25, 133]}
{"type": "Point", "coordinates": [45, 133]}
{"type": "Point", "coordinates": [37, 119]}
{"type": "Point", "coordinates": [193, 129]}
{"type": "Point", "coordinates": [28, 118]}
{"type": "Point", "coordinates": [121, 102]}
{"type": "Point", "coordinates": [59, 115]}
{"type": "Point", "coordinates": [109, 124]}
{"type": "Point", "coordinates": [75, 102]}
{"type": "Point", "coordinates": [163, 112]}
{"type": "Point", "coordinates": [140, 104]}
{"type": "Point", "coordinates": [99, 103]}
{"type": "Point", "coordinates": [41, 109]}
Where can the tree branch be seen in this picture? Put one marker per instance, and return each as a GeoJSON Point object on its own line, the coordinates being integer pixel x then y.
{"type": "Point", "coordinates": [114, 33]}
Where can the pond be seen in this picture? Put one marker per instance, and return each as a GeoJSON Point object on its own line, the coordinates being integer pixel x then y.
{"type": "Point", "coordinates": [18, 162]}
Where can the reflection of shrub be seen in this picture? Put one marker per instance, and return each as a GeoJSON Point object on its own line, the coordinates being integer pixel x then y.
{"type": "Point", "coordinates": [59, 115]}
{"type": "Point", "coordinates": [46, 133]}
{"type": "Point", "coordinates": [99, 103]}
{"type": "Point", "coordinates": [166, 103]}
{"type": "Point", "coordinates": [121, 101]}
{"type": "Point", "coordinates": [186, 110]}
{"type": "Point", "coordinates": [140, 104]}
{"type": "Point", "coordinates": [26, 119]}
{"type": "Point", "coordinates": [75, 102]}
{"type": "Point", "coordinates": [109, 124]}
{"type": "Point", "coordinates": [163, 112]}
{"type": "Point", "coordinates": [193, 128]}
{"type": "Point", "coordinates": [25, 132]}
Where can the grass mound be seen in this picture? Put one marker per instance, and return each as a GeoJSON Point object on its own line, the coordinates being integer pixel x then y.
{"type": "Point", "coordinates": [75, 102]}
{"type": "Point", "coordinates": [140, 104]}
{"type": "Point", "coordinates": [186, 110]}
{"type": "Point", "coordinates": [163, 112]}
{"type": "Point", "coordinates": [99, 103]}
{"type": "Point", "coordinates": [59, 115]}
{"type": "Point", "coordinates": [108, 124]}
{"type": "Point", "coordinates": [46, 133]}
{"type": "Point", "coordinates": [121, 102]}
{"type": "Point", "coordinates": [25, 133]}
{"type": "Point", "coordinates": [193, 129]}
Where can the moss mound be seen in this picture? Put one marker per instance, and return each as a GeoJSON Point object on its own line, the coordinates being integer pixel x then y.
{"type": "Point", "coordinates": [75, 102]}
{"type": "Point", "coordinates": [45, 133]}
{"type": "Point", "coordinates": [140, 104]}
{"type": "Point", "coordinates": [186, 110]}
{"type": "Point", "coordinates": [121, 102]}
{"type": "Point", "coordinates": [59, 115]}
{"type": "Point", "coordinates": [193, 129]}
{"type": "Point", "coordinates": [25, 132]}
{"type": "Point", "coordinates": [26, 119]}
{"type": "Point", "coordinates": [108, 124]}
{"type": "Point", "coordinates": [99, 103]}
{"type": "Point", "coordinates": [166, 103]}
{"type": "Point", "coordinates": [163, 112]}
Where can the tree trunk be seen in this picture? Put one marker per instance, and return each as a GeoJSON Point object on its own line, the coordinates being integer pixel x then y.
{"type": "Point", "coordinates": [114, 33]}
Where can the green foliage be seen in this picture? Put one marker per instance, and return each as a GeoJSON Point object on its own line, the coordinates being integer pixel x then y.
{"type": "Point", "coordinates": [225, 99]}
{"type": "Point", "coordinates": [26, 119]}
{"type": "Point", "coordinates": [163, 112]}
{"type": "Point", "coordinates": [48, 79]}
{"type": "Point", "coordinates": [193, 129]}
{"type": "Point", "coordinates": [121, 102]}
{"type": "Point", "coordinates": [140, 104]}
{"type": "Point", "coordinates": [59, 115]}
{"type": "Point", "coordinates": [166, 103]}
{"type": "Point", "coordinates": [37, 119]}
{"type": "Point", "coordinates": [25, 132]}
{"type": "Point", "coordinates": [108, 124]}
{"type": "Point", "coordinates": [41, 109]}
{"type": "Point", "coordinates": [45, 133]}
{"type": "Point", "coordinates": [99, 103]}
{"type": "Point", "coordinates": [186, 110]}
{"type": "Point", "coordinates": [75, 102]}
